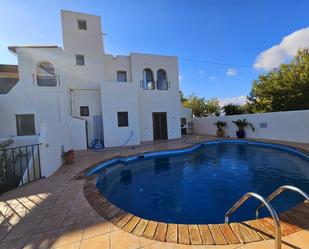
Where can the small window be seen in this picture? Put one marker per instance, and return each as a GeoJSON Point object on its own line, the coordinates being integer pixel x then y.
{"type": "Point", "coordinates": [123, 119]}
{"type": "Point", "coordinates": [162, 83]}
{"type": "Point", "coordinates": [84, 111]}
{"type": "Point", "coordinates": [183, 122]}
{"type": "Point", "coordinates": [25, 124]}
{"type": "Point", "coordinates": [82, 24]}
{"type": "Point", "coordinates": [148, 80]}
{"type": "Point", "coordinates": [80, 60]}
{"type": "Point", "coordinates": [121, 76]}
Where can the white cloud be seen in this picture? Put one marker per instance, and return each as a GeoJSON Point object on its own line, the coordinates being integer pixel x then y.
{"type": "Point", "coordinates": [231, 72]}
{"type": "Point", "coordinates": [212, 77]}
{"type": "Point", "coordinates": [241, 100]}
{"type": "Point", "coordinates": [180, 77]}
{"type": "Point", "coordinates": [200, 71]}
{"type": "Point", "coordinates": [284, 51]}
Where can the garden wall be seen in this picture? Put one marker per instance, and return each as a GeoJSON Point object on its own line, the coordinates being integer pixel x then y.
{"type": "Point", "coordinates": [285, 126]}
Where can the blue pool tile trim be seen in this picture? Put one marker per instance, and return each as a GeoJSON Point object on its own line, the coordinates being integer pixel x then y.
{"type": "Point", "coordinates": [155, 154]}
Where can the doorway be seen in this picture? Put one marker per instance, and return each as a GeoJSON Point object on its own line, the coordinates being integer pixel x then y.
{"type": "Point", "coordinates": [159, 124]}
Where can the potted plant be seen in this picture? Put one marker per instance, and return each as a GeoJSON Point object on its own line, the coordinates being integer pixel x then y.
{"type": "Point", "coordinates": [68, 156]}
{"type": "Point", "coordinates": [241, 124]}
{"type": "Point", "coordinates": [220, 125]}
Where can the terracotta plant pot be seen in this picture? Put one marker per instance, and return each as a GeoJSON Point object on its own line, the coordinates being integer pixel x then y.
{"type": "Point", "coordinates": [68, 157]}
{"type": "Point", "coordinates": [220, 133]}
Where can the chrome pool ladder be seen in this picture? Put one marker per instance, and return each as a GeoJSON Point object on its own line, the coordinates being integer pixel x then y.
{"type": "Point", "coordinates": [277, 192]}
{"type": "Point", "coordinates": [266, 203]}
{"type": "Point", "coordinates": [271, 210]}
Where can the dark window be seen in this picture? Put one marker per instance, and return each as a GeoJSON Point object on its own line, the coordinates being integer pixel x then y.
{"type": "Point", "coordinates": [121, 76]}
{"type": "Point", "coordinates": [148, 79]}
{"type": "Point", "coordinates": [25, 124]}
{"type": "Point", "coordinates": [80, 59]}
{"type": "Point", "coordinates": [162, 80]}
{"type": "Point", "coordinates": [84, 111]}
{"type": "Point", "coordinates": [183, 122]}
{"type": "Point", "coordinates": [122, 119]}
{"type": "Point", "coordinates": [82, 24]}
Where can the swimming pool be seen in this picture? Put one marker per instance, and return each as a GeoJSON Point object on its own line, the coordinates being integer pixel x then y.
{"type": "Point", "coordinates": [198, 185]}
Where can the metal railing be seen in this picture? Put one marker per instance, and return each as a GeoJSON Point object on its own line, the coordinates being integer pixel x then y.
{"type": "Point", "coordinates": [19, 166]}
{"type": "Point", "coordinates": [277, 192]}
{"type": "Point", "coordinates": [155, 85]}
{"type": "Point", "coordinates": [47, 80]}
{"type": "Point", "coordinates": [271, 210]}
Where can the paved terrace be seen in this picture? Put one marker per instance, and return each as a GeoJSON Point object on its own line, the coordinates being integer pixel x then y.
{"type": "Point", "coordinates": [54, 213]}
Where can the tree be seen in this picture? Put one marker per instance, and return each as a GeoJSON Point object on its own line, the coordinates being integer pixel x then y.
{"type": "Point", "coordinates": [282, 89]}
{"type": "Point", "coordinates": [232, 109]}
{"type": "Point", "coordinates": [212, 107]}
{"type": "Point", "coordinates": [202, 107]}
{"type": "Point", "coordinates": [197, 105]}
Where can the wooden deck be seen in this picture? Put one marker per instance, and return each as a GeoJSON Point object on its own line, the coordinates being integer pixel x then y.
{"type": "Point", "coordinates": [293, 220]}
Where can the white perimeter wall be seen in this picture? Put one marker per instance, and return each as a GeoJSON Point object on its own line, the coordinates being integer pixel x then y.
{"type": "Point", "coordinates": [56, 137]}
{"type": "Point", "coordinates": [286, 126]}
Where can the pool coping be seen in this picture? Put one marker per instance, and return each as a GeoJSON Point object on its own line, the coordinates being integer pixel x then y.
{"type": "Point", "coordinates": [95, 168]}
{"type": "Point", "coordinates": [194, 234]}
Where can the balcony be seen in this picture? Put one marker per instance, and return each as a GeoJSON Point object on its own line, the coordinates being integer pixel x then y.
{"type": "Point", "coordinates": [47, 80]}
{"type": "Point", "coordinates": [155, 85]}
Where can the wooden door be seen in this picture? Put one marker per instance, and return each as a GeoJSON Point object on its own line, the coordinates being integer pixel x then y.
{"type": "Point", "coordinates": [159, 123]}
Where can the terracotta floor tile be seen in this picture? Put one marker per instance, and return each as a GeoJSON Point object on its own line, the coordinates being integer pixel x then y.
{"type": "Point", "coordinates": [74, 245]}
{"type": "Point", "coordinates": [50, 223]}
{"type": "Point", "coordinates": [124, 240]}
{"type": "Point", "coordinates": [67, 235]}
{"type": "Point", "coordinates": [65, 218]}
{"type": "Point", "coordinates": [146, 242]}
{"type": "Point", "coordinates": [41, 241]}
{"type": "Point", "coordinates": [13, 244]}
{"type": "Point", "coordinates": [114, 228]}
{"type": "Point", "coordinates": [299, 239]}
{"type": "Point", "coordinates": [98, 242]}
{"type": "Point", "coordinates": [97, 229]}
{"type": "Point", "coordinates": [21, 230]}
{"type": "Point", "coordinates": [160, 245]}
{"type": "Point", "coordinates": [4, 230]}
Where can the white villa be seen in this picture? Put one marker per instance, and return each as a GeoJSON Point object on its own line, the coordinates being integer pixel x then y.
{"type": "Point", "coordinates": [79, 97]}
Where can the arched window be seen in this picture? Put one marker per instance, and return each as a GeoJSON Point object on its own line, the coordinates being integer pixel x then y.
{"type": "Point", "coordinates": [162, 80]}
{"type": "Point", "coordinates": [148, 80]}
{"type": "Point", "coordinates": [45, 74]}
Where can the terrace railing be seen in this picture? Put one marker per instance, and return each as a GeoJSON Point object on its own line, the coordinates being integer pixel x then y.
{"type": "Point", "coordinates": [19, 166]}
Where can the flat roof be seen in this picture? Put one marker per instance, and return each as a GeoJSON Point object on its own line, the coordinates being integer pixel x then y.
{"type": "Point", "coordinates": [13, 48]}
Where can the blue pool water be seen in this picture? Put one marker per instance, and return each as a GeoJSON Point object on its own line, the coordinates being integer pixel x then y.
{"type": "Point", "coordinates": [201, 186]}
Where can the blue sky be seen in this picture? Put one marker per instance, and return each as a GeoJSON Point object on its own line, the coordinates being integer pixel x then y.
{"type": "Point", "coordinates": [217, 42]}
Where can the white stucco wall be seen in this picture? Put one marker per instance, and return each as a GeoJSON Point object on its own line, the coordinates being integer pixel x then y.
{"type": "Point", "coordinates": [157, 100]}
{"type": "Point", "coordinates": [90, 98]}
{"type": "Point", "coordinates": [85, 41]}
{"type": "Point", "coordinates": [112, 64]}
{"type": "Point", "coordinates": [285, 126]}
{"type": "Point", "coordinates": [93, 85]}
{"type": "Point", "coordinates": [57, 136]}
{"type": "Point", "coordinates": [120, 97]}
{"type": "Point", "coordinates": [78, 134]}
